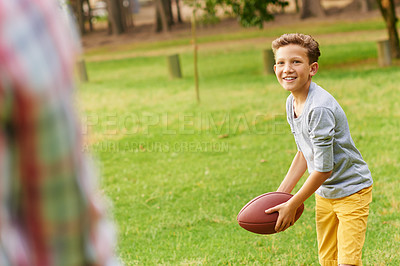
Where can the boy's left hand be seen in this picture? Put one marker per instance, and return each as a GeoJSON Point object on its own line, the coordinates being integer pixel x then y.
{"type": "Point", "coordinates": [286, 217]}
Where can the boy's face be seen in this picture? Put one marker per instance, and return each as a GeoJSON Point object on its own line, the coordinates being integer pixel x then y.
{"type": "Point", "coordinates": [292, 68]}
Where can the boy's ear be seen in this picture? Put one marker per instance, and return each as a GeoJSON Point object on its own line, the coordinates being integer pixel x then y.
{"type": "Point", "coordinates": [313, 68]}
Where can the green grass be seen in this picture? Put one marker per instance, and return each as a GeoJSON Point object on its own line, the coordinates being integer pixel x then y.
{"type": "Point", "coordinates": [324, 27]}
{"type": "Point", "coordinates": [178, 173]}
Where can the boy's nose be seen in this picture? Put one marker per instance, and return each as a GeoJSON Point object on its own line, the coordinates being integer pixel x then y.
{"type": "Point", "coordinates": [287, 68]}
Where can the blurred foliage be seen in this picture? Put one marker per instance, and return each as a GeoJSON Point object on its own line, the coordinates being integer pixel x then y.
{"type": "Point", "coordinates": [250, 13]}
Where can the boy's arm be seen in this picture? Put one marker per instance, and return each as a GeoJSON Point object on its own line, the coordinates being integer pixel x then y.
{"type": "Point", "coordinates": [288, 209]}
{"type": "Point", "coordinates": [296, 171]}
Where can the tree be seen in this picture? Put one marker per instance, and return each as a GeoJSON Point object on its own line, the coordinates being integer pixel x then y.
{"type": "Point", "coordinates": [78, 7]}
{"type": "Point", "coordinates": [311, 8]}
{"type": "Point", "coordinates": [115, 16]}
{"type": "Point", "coordinates": [119, 15]}
{"type": "Point", "coordinates": [365, 5]}
{"type": "Point", "coordinates": [163, 15]}
{"type": "Point", "coordinates": [254, 13]}
{"type": "Point", "coordinates": [388, 11]}
{"type": "Point", "coordinates": [249, 12]}
{"type": "Point", "coordinates": [178, 12]}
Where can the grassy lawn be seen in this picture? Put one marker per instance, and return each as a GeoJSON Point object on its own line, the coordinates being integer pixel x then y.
{"type": "Point", "coordinates": [178, 172]}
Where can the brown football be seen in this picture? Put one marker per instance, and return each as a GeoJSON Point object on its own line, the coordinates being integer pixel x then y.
{"type": "Point", "coordinates": [253, 218]}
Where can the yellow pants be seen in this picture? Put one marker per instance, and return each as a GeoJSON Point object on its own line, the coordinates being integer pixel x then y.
{"type": "Point", "coordinates": [341, 226]}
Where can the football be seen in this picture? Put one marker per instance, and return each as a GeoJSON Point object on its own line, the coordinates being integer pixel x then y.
{"type": "Point", "coordinates": [253, 218]}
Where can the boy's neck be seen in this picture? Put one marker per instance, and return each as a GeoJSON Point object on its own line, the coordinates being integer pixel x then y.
{"type": "Point", "coordinates": [300, 97]}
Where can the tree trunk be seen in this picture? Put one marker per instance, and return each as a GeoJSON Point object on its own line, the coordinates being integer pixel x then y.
{"type": "Point", "coordinates": [363, 6]}
{"type": "Point", "coordinates": [297, 6]}
{"type": "Point", "coordinates": [115, 16]}
{"type": "Point", "coordinates": [366, 5]}
{"type": "Point", "coordinates": [89, 17]}
{"type": "Point", "coordinates": [126, 17]}
{"type": "Point", "coordinates": [311, 8]}
{"type": "Point", "coordinates": [388, 11]}
{"type": "Point", "coordinates": [161, 17]}
{"type": "Point", "coordinates": [178, 12]}
{"type": "Point", "coordinates": [122, 15]}
{"type": "Point", "coordinates": [195, 64]}
{"type": "Point", "coordinates": [80, 16]}
{"type": "Point", "coordinates": [168, 10]}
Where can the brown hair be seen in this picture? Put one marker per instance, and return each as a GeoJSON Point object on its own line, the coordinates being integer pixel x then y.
{"type": "Point", "coordinates": [305, 41]}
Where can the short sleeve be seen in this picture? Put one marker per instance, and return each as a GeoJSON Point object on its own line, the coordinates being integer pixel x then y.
{"type": "Point", "coordinates": [321, 127]}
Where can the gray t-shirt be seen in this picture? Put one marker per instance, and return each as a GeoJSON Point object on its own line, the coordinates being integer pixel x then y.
{"type": "Point", "coordinates": [322, 134]}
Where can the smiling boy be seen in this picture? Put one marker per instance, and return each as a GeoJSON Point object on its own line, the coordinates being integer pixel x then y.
{"type": "Point", "coordinates": [339, 176]}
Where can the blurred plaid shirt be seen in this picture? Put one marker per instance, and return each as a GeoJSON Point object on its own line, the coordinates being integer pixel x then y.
{"type": "Point", "coordinates": [50, 212]}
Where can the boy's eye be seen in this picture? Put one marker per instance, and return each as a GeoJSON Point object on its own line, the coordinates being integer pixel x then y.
{"type": "Point", "coordinates": [279, 63]}
{"type": "Point", "coordinates": [296, 62]}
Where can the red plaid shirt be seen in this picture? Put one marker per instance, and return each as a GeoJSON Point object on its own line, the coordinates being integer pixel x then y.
{"type": "Point", "coordinates": [50, 213]}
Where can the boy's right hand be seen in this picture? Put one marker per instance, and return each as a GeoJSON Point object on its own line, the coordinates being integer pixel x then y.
{"type": "Point", "coordinates": [286, 217]}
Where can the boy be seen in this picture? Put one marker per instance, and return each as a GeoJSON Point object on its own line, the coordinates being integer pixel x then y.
{"type": "Point", "coordinates": [338, 174]}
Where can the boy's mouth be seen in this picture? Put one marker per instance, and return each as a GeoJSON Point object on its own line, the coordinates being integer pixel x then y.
{"type": "Point", "coordinates": [289, 78]}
